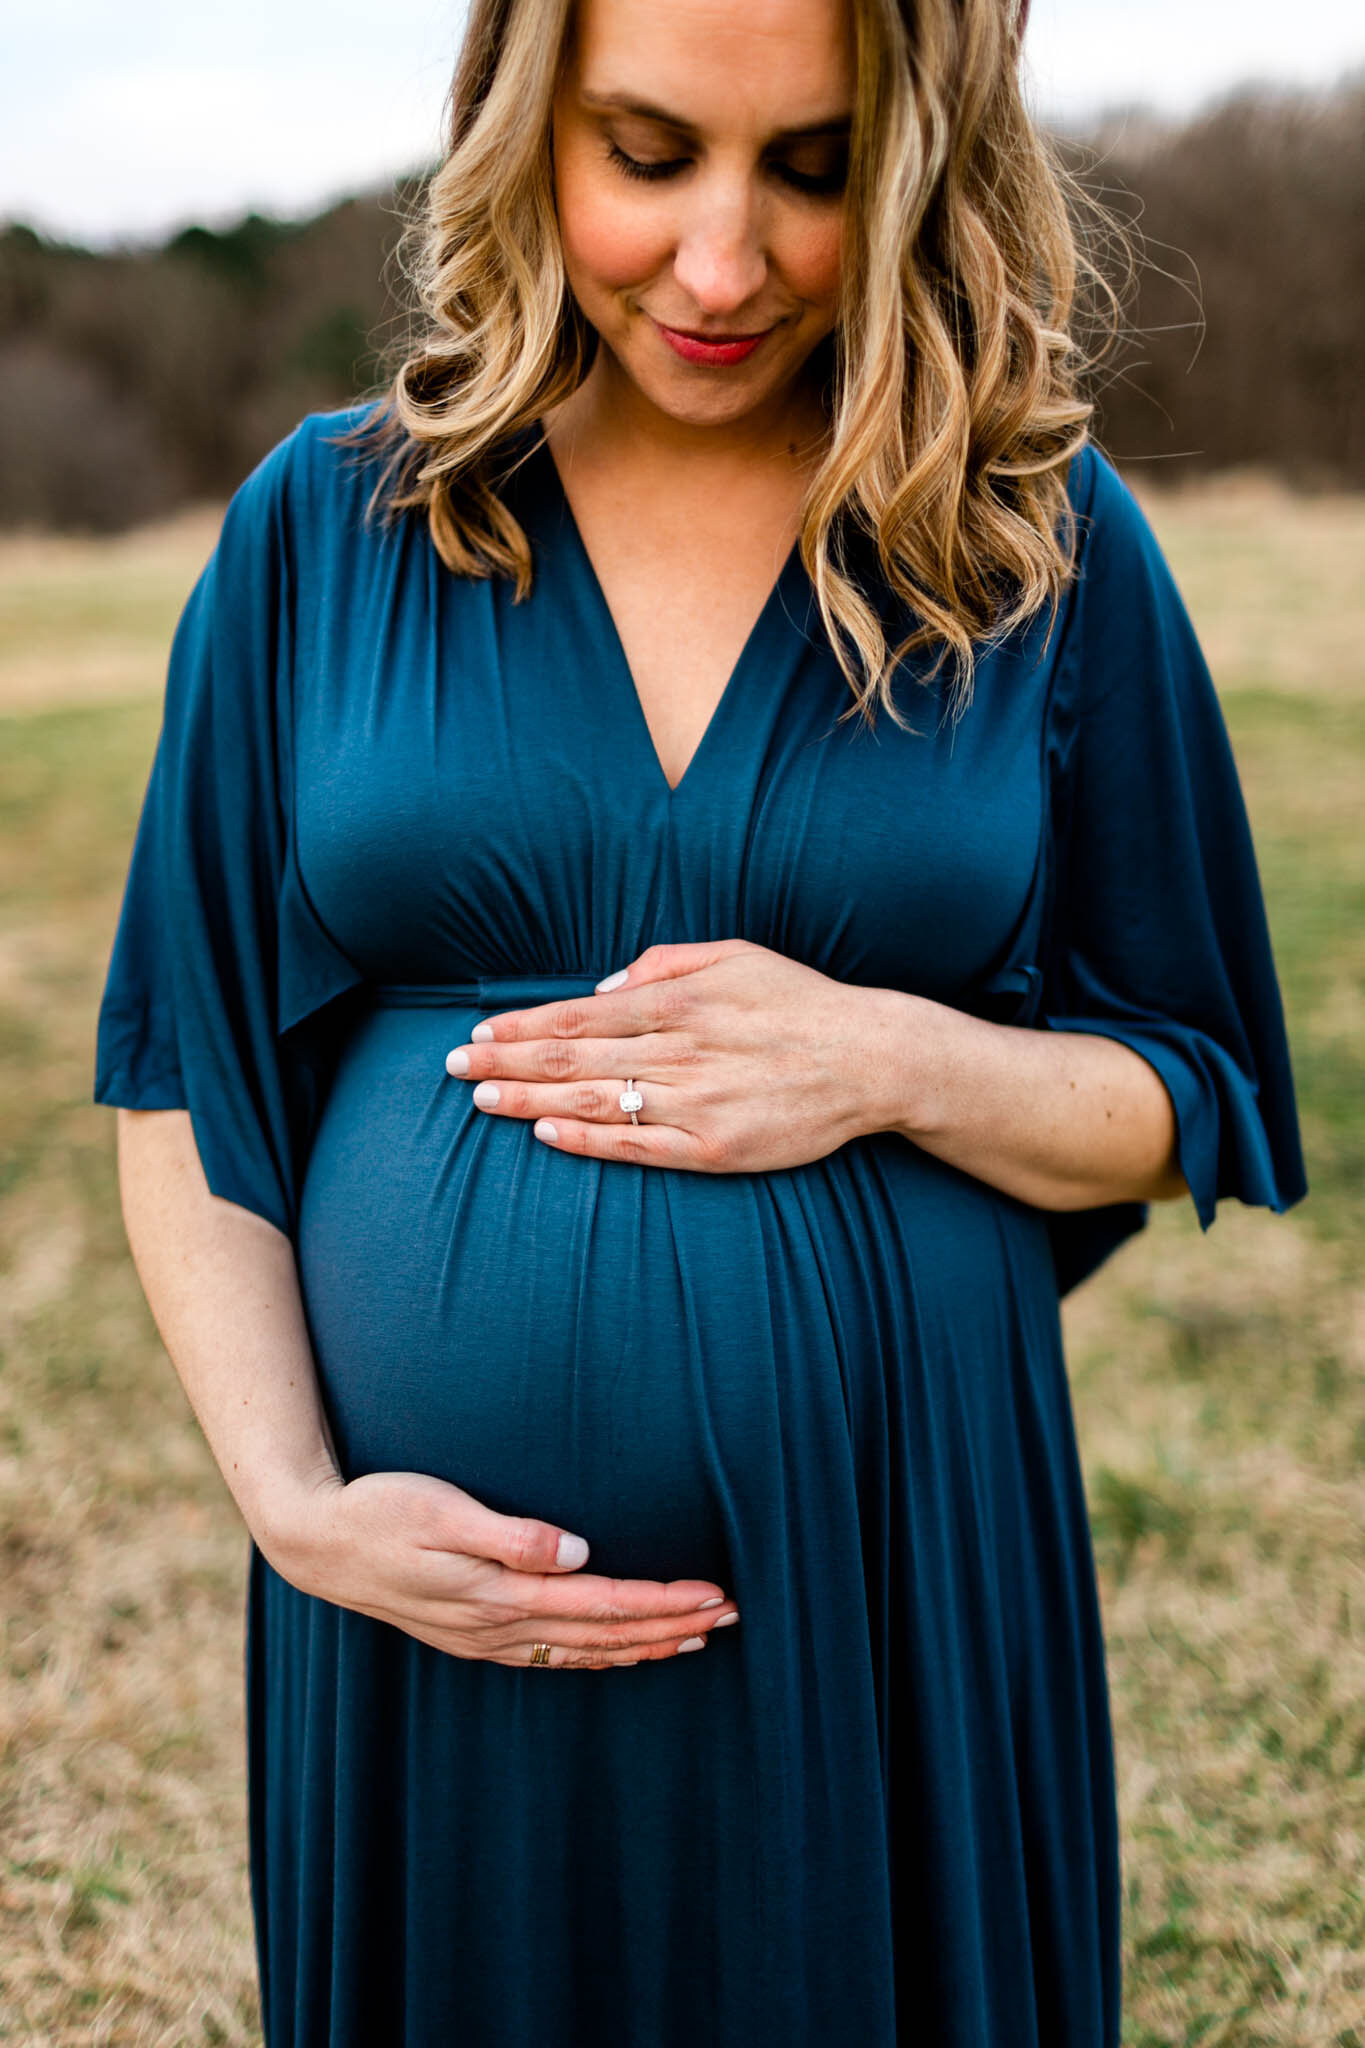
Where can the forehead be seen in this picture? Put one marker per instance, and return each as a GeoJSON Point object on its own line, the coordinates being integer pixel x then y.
{"type": "Point", "coordinates": [749, 63]}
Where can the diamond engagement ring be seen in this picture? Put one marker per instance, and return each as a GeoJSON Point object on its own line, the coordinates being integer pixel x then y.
{"type": "Point", "coordinates": [632, 1100]}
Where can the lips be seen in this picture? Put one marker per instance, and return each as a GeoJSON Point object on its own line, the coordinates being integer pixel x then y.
{"type": "Point", "coordinates": [717, 340]}
{"type": "Point", "coordinates": [713, 350]}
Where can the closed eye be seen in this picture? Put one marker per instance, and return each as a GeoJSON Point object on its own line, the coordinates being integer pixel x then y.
{"type": "Point", "coordinates": [814, 185]}
{"type": "Point", "coordinates": [634, 168]}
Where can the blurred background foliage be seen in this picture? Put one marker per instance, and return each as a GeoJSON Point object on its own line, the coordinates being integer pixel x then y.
{"type": "Point", "coordinates": [135, 381]}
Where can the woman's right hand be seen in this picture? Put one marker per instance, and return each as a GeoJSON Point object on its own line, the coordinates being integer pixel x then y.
{"type": "Point", "coordinates": [415, 1551]}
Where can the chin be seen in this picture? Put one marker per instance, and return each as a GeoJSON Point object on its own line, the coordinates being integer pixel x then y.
{"type": "Point", "coordinates": [694, 397]}
{"type": "Point", "coordinates": [703, 408]}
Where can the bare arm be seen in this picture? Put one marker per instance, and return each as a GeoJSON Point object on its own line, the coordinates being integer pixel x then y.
{"type": "Point", "coordinates": [406, 1548]}
{"type": "Point", "coordinates": [1062, 1119]}
{"type": "Point", "coordinates": [222, 1285]}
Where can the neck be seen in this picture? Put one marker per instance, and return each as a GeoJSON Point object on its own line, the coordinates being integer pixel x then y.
{"type": "Point", "coordinates": [610, 415]}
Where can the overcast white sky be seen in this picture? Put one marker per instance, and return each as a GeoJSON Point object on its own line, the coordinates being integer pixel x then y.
{"type": "Point", "coordinates": [123, 121]}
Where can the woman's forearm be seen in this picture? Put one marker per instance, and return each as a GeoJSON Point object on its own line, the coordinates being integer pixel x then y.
{"type": "Point", "coordinates": [1064, 1120]}
{"type": "Point", "coordinates": [223, 1288]}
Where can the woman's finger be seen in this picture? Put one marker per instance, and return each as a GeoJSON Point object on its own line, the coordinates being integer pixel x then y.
{"type": "Point", "coordinates": [567, 1059]}
{"type": "Point", "coordinates": [631, 1638]}
{"type": "Point", "coordinates": [634, 1642]}
{"type": "Point", "coordinates": [642, 1144]}
{"type": "Point", "coordinates": [605, 1660]}
{"type": "Point", "coordinates": [443, 1581]}
{"type": "Point", "coordinates": [591, 1652]}
{"type": "Point", "coordinates": [597, 1101]}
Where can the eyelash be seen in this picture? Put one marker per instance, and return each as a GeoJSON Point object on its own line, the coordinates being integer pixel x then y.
{"type": "Point", "coordinates": [810, 187]}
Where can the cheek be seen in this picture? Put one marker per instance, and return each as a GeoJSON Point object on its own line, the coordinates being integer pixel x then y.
{"type": "Point", "coordinates": [609, 243]}
{"type": "Point", "coordinates": [812, 255]}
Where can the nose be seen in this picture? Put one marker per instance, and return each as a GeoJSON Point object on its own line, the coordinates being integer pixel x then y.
{"type": "Point", "coordinates": [721, 262]}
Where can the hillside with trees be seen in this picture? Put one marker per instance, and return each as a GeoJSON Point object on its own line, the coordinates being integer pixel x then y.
{"type": "Point", "coordinates": [134, 381]}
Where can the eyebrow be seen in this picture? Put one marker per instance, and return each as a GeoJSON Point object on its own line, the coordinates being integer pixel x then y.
{"type": "Point", "coordinates": [626, 103]}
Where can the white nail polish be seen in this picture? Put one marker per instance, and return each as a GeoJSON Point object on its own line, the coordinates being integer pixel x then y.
{"type": "Point", "coordinates": [719, 1601]}
{"type": "Point", "coordinates": [482, 1031]}
{"type": "Point", "coordinates": [612, 981]}
{"type": "Point", "coordinates": [488, 1095]}
{"type": "Point", "coordinates": [692, 1643]}
{"type": "Point", "coordinates": [457, 1062]}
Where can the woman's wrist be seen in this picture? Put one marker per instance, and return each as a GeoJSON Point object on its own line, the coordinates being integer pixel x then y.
{"type": "Point", "coordinates": [283, 1508]}
{"type": "Point", "coordinates": [1064, 1120]}
{"type": "Point", "coordinates": [907, 1043]}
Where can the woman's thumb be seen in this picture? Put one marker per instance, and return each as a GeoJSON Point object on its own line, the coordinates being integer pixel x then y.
{"type": "Point", "coordinates": [528, 1546]}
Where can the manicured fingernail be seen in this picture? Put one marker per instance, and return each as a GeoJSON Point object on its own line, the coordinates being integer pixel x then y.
{"type": "Point", "coordinates": [572, 1550]}
{"type": "Point", "coordinates": [543, 1128]}
{"type": "Point", "coordinates": [719, 1601]}
{"type": "Point", "coordinates": [612, 981]}
{"type": "Point", "coordinates": [457, 1062]}
{"type": "Point", "coordinates": [488, 1095]}
{"type": "Point", "coordinates": [482, 1031]}
{"type": "Point", "coordinates": [726, 1619]}
{"type": "Point", "coordinates": [692, 1643]}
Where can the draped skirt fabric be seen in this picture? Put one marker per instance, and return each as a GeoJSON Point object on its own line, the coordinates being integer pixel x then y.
{"type": "Point", "coordinates": [839, 1392]}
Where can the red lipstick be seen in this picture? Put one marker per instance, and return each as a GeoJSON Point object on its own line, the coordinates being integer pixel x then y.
{"type": "Point", "coordinates": [715, 350]}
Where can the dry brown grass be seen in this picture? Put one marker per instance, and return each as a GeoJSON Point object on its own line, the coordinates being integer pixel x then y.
{"type": "Point", "coordinates": [1219, 1386]}
{"type": "Point", "coordinates": [1272, 578]}
{"type": "Point", "coordinates": [87, 621]}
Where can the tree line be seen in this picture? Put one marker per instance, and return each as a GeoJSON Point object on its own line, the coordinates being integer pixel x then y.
{"type": "Point", "coordinates": [136, 380]}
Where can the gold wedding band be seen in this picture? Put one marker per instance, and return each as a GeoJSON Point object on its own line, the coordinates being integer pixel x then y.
{"type": "Point", "coordinates": [540, 1653]}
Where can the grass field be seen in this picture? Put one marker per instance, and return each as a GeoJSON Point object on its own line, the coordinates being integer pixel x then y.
{"type": "Point", "coordinates": [1219, 1384]}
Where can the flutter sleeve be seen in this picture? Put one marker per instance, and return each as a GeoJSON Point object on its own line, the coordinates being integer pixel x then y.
{"type": "Point", "coordinates": [219, 971]}
{"type": "Point", "coordinates": [1157, 935]}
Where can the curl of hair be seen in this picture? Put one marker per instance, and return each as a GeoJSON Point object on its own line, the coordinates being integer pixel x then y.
{"type": "Point", "coordinates": [953, 394]}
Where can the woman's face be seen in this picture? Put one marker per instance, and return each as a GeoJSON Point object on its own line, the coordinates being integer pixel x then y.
{"type": "Point", "coordinates": [700, 151]}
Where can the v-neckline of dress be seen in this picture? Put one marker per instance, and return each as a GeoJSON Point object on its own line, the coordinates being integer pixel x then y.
{"type": "Point", "coordinates": [774, 606]}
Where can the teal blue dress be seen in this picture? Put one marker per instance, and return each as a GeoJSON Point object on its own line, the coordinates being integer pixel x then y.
{"type": "Point", "coordinates": [388, 801]}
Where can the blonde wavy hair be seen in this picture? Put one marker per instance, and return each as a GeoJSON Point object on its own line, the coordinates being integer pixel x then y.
{"type": "Point", "coordinates": [953, 395]}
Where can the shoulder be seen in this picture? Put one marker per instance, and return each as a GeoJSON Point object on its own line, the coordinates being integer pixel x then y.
{"type": "Point", "coordinates": [314, 481]}
{"type": "Point", "coordinates": [286, 525]}
{"type": "Point", "coordinates": [1129, 642]}
{"type": "Point", "coordinates": [1115, 537]}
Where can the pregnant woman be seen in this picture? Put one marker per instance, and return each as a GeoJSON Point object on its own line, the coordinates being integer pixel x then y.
{"type": "Point", "coordinates": [693, 883]}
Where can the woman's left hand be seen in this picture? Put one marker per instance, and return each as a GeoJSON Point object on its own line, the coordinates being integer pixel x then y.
{"type": "Point", "coordinates": [746, 1060]}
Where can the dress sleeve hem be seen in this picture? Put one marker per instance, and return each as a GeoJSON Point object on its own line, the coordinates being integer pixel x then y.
{"type": "Point", "coordinates": [1222, 1146]}
{"type": "Point", "coordinates": [124, 1090]}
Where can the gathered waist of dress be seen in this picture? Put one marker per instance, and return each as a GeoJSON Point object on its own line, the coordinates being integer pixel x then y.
{"type": "Point", "coordinates": [485, 992]}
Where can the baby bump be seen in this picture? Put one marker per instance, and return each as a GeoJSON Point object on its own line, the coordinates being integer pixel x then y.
{"type": "Point", "coordinates": [642, 1354]}
{"type": "Point", "coordinates": [539, 1328]}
